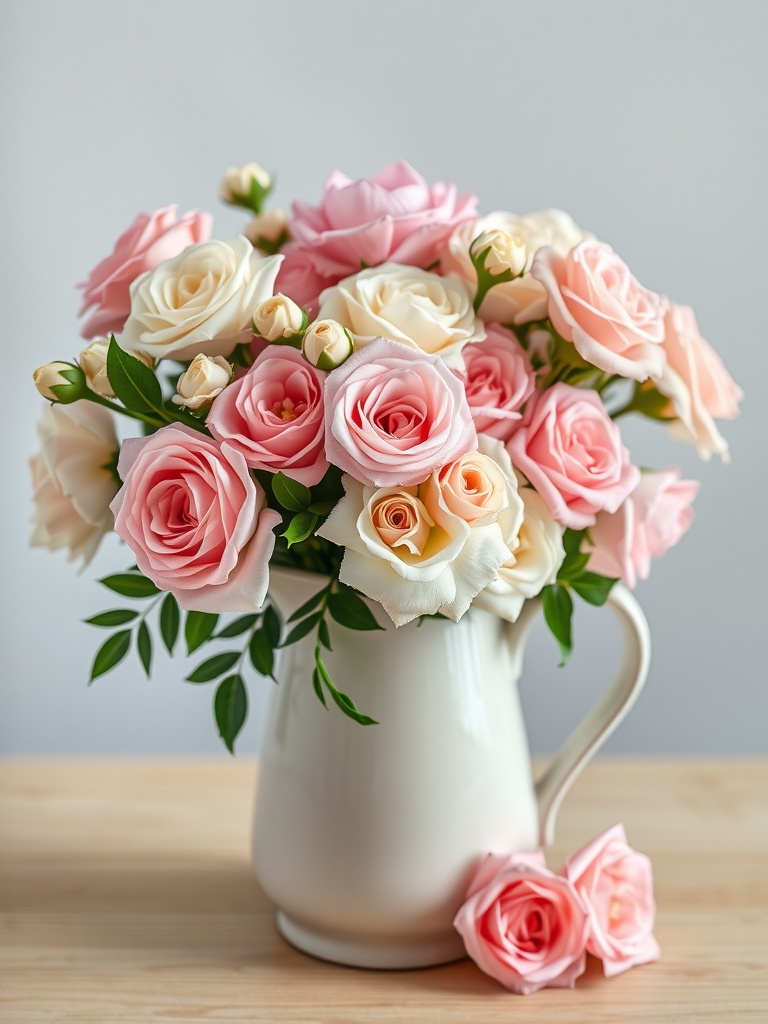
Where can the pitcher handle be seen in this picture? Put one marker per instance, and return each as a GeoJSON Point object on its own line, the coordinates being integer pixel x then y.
{"type": "Point", "coordinates": [592, 732]}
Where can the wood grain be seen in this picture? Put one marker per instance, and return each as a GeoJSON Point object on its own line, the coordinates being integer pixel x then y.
{"type": "Point", "coordinates": [126, 895]}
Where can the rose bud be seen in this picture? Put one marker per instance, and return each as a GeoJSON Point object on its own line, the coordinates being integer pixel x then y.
{"type": "Point", "coordinates": [279, 317]}
{"type": "Point", "coordinates": [246, 186]}
{"type": "Point", "coordinates": [93, 363]}
{"type": "Point", "coordinates": [69, 388]}
{"type": "Point", "coordinates": [268, 231]}
{"type": "Point", "coordinates": [327, 344]}
{"type": "Point", "coordinates": [204, 379]}
{"type": "Point", "coordinates": [505, 252]}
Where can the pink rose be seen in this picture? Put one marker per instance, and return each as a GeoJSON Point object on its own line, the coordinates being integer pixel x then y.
{"type": "Point", "coordinates": [699, 385]}
{"type": "Point", "coordinates": [195, 520]}
{"type": "Point", "coordinates": [395, 217]}
{"type": "Point", "coordinates": [498, 381]}
{"type": "Point", "coordinates": [651, 520]}
{"type": "Point", "coordinates": [299, 279]}
{"type": "Point", "coordinates": [149, 241]}
{"type": "Point", "coordinates": [523, 925]}
{"type": "Point", "coordinates": [570, 449]}
{"type": "Point", "coordinates": [394, 414]}
{"type": "Point", "coordinates": [615, 884]}
{"type": "Point", "coordinates": [595, 302]}
{"type": "Point", "coordinates": [273, 416]}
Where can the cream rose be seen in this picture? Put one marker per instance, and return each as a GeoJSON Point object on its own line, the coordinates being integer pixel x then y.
{"type": "Point", "coordinates": [327, 344]}
{"type": "Point", "coordinates": [72, 484]}
{"type": "Point", "coordinates": [202, 381]}
{"type": "Point", "coordinates": [50, 376]}
{"type": "Point", "coordinates": [405, 304]}
{"type": "Point", "coordinates": [267, 229]}
{"type": "Point", "coordinates": [200, 301]}
{"type": "Point", "coordinates": [93, 363]}
{"type": "Point", "coordinates": [503, 252]}
{"type": "Point", "coordinates": [237, 181]}
{"type": "Point", "coordinates": [278, 317]}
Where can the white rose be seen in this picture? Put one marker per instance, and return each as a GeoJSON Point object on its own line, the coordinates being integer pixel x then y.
{"type": "Point", "coordinates": [406, 304]}
{"type": "Point", "coordinates": [93, 363]}
{"type": "Point", "coordinates": [523, 299]}
{"type": "Point", "coordinates": [412, 559]}
{"type": "Point", "coordinates": [72, 487]}
{"type": "Point", "coordinates": [50, 376]}
{"type": "Point", "coordinates": [505, 252]}
{"type": "Point", "coordinates": [278, 317]}
{"type": "Point", "coordinates": [327, 344]}
{"type": "Point", "coordinates": [204, 379]}
{"type": "Point", "coordinates": [267, 227]}
{"type": "Point", "coordinates": [202, 300]}
{"type": "Point", "coordinates": [237, 181]}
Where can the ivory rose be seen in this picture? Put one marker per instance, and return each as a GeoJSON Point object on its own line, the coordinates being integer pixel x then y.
{"type": "Point", "coordinates": [648, 523]}
{"type": "Point", "coordinates": [237, 182]}
{"type": "Point", "coordinates": [523, 925]}
{"type": "Point", "coordinates": [615, 884]}
{"type": "Point", "coordinates": [195, 520]}
{"type": "Point", "coordinates": [278, 317]}
{"type": "Point", "coordinates": [148, 242]}
{"type": "Point", "coordinates": [498, 380]}
{"type": "Point", "coordinates": [273, 416]}
{"type": "Point", "coordinates": [595, 302]}
{"type": "Point", "coordinates": [393, 415]}
{"type": "Point", "coordinates": [571, 451]}
{"type": "Point", "coordinates": [326, 344]}
{"type": "Point", "coordinates": [203, 380]}
{"type": "Point", "coordinates": [73, 484]}
{"type": "Point", "coordinates": [424, 311]}
{"type": "Point", "coordinates": [202, 301]}
{"type": "Point", "coordinates": [700, 387]}
{"type": "Point", "coordinates": [405, 549]}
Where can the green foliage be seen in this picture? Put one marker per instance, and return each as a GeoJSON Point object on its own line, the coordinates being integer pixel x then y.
{"type": "Point", "coordinates": [214, 667]}
{"type": "Point", "coordinates": [111, 653]}
{"type": "Point", "coordinates": [134, 384]}
{"type": "Point", "coordinates": [170, 620]}
{"type": "Point", "coordinates": [118, 617]}
{"type": "Point", "coordinates": [130, 584]}
{"type": "Point", "coordinates": [558, 609]}
{"type": "Point", "coordinates": [237, 627]}
{"type": "Point", "coordinates": [290, 493]}
{"type": "Point", "coordinates": [198, 628]}
{"type": "Point", "coordinates": [144, 647]}
{"type": "Point", "coordinates": [348, 609]}
{"type": "Point", "coordinates": [300, 527]}
{"type": "Point", "coordinates": [262, 653]}
{"type": "Point", "coordinates": [230, 706]}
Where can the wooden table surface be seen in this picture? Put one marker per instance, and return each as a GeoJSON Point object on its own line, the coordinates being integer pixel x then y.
{"type": "Point", "coordinates": [126, 895]}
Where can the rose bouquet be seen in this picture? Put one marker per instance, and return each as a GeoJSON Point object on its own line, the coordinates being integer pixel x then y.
{"type": "Point", "coordinates": [419, 405]}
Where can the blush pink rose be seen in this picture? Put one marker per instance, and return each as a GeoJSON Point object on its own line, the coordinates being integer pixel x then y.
{"type": "Point", "coordinates": [394, 414]}
{"type": "Point", "coordinates": [651, 520]}
{"type": "Point", "coordinates": [615, 884]}
{"type": "Point", "coordinates": [195, 520]}
{"type": "Point", "coordinates": [393, 217]}
{"type": "Point", "coordinates": [274, 416]}
{"type": "Point", "coordinates": [149, 241]}
{"type": "Point", "coordinates": [700, 387]}
{"type": "Point", "coordinates": [299, 279]}
{"type": "Point", "coordinates": [524, 925]}
{"type": "Point", "coordinates": [570, 450]}
{"type": "Point", "coordinates": [595, 302]}
{"type": "Point", "coordinates": [498, 381]}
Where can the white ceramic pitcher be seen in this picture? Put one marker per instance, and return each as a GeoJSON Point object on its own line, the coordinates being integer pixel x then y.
{"type": "Point", "coordinates": [365, 837]}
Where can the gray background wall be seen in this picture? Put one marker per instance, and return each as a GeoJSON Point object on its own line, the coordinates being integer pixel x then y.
{"type": "Point", "coordinates": [645, 120]}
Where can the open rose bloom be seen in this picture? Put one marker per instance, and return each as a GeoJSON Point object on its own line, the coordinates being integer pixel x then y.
{"type": "Point", "coordinates": [416, 401]}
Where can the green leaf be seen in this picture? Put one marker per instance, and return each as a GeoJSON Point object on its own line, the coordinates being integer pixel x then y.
{"type": "Point", "coordinates": [593, 587]}
{"type": "Point", "coordinates": [573, 565]}
{"type": "Point", "coordinates": [262, 654]}
{"type": "Point", "coordinates": [572, 541]}
{"type": "Point", "coordinates": [169, 621]}
{"type": "Point", "coordinates": [214, 667]}
{"type": "Point", "coordinates": [308, 606]}
{"type": "Point", "coordinates": [130, 585]}
{"type": "Point", "coordinates": [118, 617]}
{"type": "Point", "coordinates": [344, 702]}
{"type": "Point", "coordinates": [558, 609]}
{"type": "Point", "coordinates": [351, 611]}
{"type": "Point", "coordinates": [199, 628]}
{"type": "Point", "coordinates": [144, 646]}
{"type": "Point", "coordinates": [323, 635]}
{"type": "Point", "coordinates": [301, 629]}
{"type": "Point", "coordinates": [111, 653]}
{"type": "Point", "coordinates": [290, 493]}
{"type": "Point", "coordinates": [300, 527]}
{"type": "Point", "coordinates": [230, 706]}
{"type": "Point", "coordinates": [318, 687]}
{"type": "Point", "coordinates": [134, 383]}
{"type": "Point", "coordinates": [236, 628]}
{"type": "Point", "coordinates": [270, 623]}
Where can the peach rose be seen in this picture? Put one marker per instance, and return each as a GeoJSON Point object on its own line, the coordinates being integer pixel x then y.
{"type": "Point", "coordinates": [472, 488]}
{"type": "Point", "coordinates": [523, 925]}
{"type": "Point", "coordinates": [595, 302]}
{"type": "Point", "coordinates": [498, 380]}
{"type": "Point", "coordinates": [615, 884]}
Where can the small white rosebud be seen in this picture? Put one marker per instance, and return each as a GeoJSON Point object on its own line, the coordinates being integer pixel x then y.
{"type": "Point", "coordinates": [204, 379]}
{"type": "Point", "coordinates": [327, 344]}
{"type": "Point", "coordinates": [237, 182]}
{"type": "Point", "coordinates": [506, 252]}
{"type": "Point", "coordinates": [278, 317]}
{"type": "Point", "coordinates": [267, 227]}
{"type": "Point", "coordinates": [93, 363]}
{"type": "Point", "coordinates": [50, 376]}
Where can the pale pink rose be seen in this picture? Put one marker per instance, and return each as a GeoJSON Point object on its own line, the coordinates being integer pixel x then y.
{"type": "Point", "coordinates": [615, 884]}
{"type": "Point", "coordinates": [151, 239]}
{"type": "Point", "coordinates": [299, 279]}
{"type": "Point", "coordinates": [700, 387]}
{"type": "Point", "coordinates": [570, 449]}
{"type": "Point", "coordinates": [195, 520]}
{"type": "Point", "coordinates": [651, 520]}
{"type": "Point", "coordinates": [395, 216]}
{"type": "Point", "coordinates": [393, 415]}
{"type": "Point", "coordinates": [595, 302]}
{"type": "Point", "coordinates": [523, 925]}
{"type": "Point", "coordinates": [498, 381]}
{"type": "Point", "coordinates": [274, 417]}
